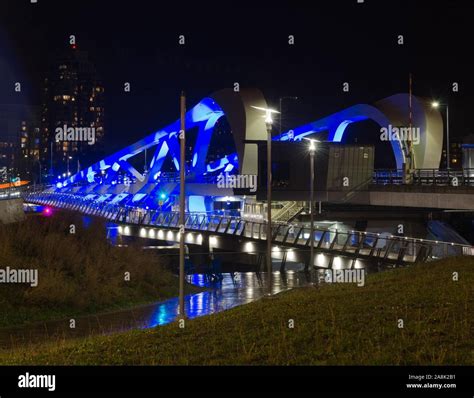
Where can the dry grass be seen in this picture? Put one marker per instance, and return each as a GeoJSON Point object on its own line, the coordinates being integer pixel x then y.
{"type": "Point", "coordinates": [78, 273]}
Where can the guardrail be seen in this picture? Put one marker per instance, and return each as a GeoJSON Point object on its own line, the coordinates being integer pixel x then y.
{"type": "Point", "coordinates": [357, 244]}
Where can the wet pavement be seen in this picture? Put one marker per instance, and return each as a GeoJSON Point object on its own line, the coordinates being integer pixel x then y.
{"type": "Point", "coordinates": [234, 290]}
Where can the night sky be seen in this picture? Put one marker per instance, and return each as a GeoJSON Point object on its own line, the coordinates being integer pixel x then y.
{"type": "Point", "coordinates": [230, 41]}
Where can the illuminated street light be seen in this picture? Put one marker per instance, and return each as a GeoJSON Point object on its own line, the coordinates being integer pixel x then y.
{"type": "Point", "coordinates": [312, 153]}
{"type": "Point", "coordinates": [268, 115]}
{"type": "Point", "coordinates": [436, 105]}
{"type": "Point", "coordinates": [67, 162]}
{"type": "Point", "coordinates": [269, 125]}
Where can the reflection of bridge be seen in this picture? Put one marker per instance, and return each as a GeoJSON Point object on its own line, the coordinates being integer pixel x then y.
{"type": "Point", "coordinates": [291, 242]}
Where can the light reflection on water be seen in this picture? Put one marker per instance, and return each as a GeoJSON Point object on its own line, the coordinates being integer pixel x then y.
{"type": "Point", "coordinates": [234, 290]}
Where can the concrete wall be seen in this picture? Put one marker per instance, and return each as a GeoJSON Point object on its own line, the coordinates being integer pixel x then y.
{"type": "Point", "coordinates": [11, 210]}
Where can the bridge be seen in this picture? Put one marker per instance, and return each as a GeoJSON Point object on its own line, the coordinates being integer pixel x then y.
{"type": "Point", "coordinates": [290, 242]}
{"type": "Point", "coordinates": [130, 178]}
{"type": "Point", "coordinates": [144, 194]}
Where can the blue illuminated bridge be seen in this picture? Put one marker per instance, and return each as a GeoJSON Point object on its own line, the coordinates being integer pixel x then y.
{"type": "Point", "coordinates": [143, 199]}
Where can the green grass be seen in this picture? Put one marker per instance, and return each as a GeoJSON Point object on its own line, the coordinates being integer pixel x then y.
{"type": "Point", "coordinates": [78, 273]}
{"type": "Point", "coordinates": [334, 325]}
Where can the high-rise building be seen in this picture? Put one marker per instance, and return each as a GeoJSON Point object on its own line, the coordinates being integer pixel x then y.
{"type": "Point", "coordinates": [73, 114]}
{"type": "Point", "coordinates": [29, 164]}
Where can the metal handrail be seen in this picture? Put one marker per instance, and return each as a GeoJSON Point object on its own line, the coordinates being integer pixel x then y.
{"type": "Point", "coordinates": [352, 242]}
{"type": "Point", "coordinates": [435, 177]}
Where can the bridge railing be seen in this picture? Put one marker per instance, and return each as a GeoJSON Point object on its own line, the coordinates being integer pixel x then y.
{"type": "Point", "coordinates": [454, 178]}
{"type": "Point", "coordinates": [358, 244]}
{"type": "Point", "coordinates": [10, 193]}
{"type": "Point", "coordinates": [14, 192]}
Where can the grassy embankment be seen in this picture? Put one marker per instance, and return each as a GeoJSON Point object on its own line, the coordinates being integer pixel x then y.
{"type": "Point", "coordinates": [338, 324]}
{"type": "Point", "coordinates": [78, 273]}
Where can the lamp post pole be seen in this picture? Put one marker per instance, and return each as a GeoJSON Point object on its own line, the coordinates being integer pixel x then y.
{"type": "Point", "coordinates": [182, 204]}
{"type": "Point", "coordinates": [67, 168]}
{"type": "Point", "coordinates": [268, 123]}
{"type": "Point", "coordinates": [312, 151]}
{"type": "Point", "coordinates": [436, 104]}
{"type": "Point", "coordinates": [269, 126]}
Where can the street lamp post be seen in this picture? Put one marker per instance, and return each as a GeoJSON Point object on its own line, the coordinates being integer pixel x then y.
{"type": "Point", "coordinates": [268, 123]}
{"type": "Point", "coordinates": [436, 104]}
{"type": "Point", "coordinates": [67, 171]}
{"type": "Point", "coordinates": [269, 126]}
{"type": "Point", "coordinates": [281, 100]}
{"type": "Point", "coordinates": [312, 152]}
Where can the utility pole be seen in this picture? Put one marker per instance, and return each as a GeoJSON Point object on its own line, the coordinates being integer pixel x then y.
{"type": "Point", "coordinates": [182, 203]}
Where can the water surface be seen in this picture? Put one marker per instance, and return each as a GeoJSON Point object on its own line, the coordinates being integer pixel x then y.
{"type": "Point", "coordinates": [234, 290]}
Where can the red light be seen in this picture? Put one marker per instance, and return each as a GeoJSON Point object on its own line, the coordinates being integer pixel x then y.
{"type": "Point", "coordinates": [47, 211]}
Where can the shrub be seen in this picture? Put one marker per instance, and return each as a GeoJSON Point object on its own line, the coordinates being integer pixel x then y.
{"type": "Point", "coordinates": [80, 271]}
